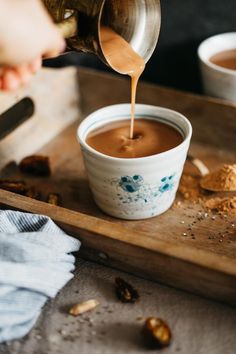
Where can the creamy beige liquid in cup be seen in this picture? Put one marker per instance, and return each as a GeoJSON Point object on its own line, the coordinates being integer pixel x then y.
{"type": "Point", "coordinates": [150, 138]}
{"type": "Point", "coordinates": [123, 59]}
{"type": "Point", "coordinates": [225, 59]}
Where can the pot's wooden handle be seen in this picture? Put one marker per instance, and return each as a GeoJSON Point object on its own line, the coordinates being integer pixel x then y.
{"type": "Point", "coordinates": [202, 168]}
{"type": "Point", "coordinates": [68, 27]}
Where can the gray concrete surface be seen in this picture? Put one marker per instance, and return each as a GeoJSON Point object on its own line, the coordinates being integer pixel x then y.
{"type": "Point", "coordinates": [199, 326]}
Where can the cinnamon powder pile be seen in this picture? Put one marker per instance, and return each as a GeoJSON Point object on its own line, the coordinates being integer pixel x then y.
{"type": "Point", "coordinates": [190, 187]}
{"type": "Point", "coordinates": [224, 179]}
{"type": "Point", "coordinates": [222, 205]}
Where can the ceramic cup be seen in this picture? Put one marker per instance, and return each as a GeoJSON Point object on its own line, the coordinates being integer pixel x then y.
{"type": "Point", "coordinates": [217, 81]}
{"type": "Point", "coordinates": [137, 188]}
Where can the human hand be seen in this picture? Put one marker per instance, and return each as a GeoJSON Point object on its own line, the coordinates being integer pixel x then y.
{"type": "Point", "coordinates": [27, 34]}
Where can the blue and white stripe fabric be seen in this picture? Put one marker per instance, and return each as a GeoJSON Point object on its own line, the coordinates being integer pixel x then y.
{"type": "Point", "coordinates": [35, 263]}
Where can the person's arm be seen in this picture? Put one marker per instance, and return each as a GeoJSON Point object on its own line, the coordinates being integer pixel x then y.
{"type": "Point", "coordinates": [27, 34]}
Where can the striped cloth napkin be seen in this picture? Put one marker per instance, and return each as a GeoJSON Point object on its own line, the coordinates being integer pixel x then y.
{"type": "Point", "coordinates": [35, 263]}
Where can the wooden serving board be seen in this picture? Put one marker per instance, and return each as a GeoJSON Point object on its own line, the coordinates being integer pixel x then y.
{"type": "Point", "coordinates": [156, 248]}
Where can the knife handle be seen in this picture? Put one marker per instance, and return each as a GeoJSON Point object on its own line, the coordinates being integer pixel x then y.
{"type": "Point", "coordinates": [15, 116]}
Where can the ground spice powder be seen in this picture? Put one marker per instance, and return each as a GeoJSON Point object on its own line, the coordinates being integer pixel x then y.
{"type": "Point", "coordinates": [223, 179]}
{"type": "Point", "coordinates": [190, 187]}
{"type": "Point", "coordinates": [222, 205]}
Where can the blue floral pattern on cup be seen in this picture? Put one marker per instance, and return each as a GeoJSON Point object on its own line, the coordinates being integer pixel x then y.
{"type": "Point", "coordinates": [167, 184]}
{"type": "Point", "coordinates": [133, 189]}
{"type": "Point", "coordinates": [131, 184]}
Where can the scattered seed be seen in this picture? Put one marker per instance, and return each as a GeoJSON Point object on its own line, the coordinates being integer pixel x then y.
{"type": "Point", "coordinates": [83, 307]}
{"type": "Point", "coordinates": [63, 332]}
{"type": "Point", "coordinates": [103, 256]}
{"type": "Point", "coordinates": [139, 318]}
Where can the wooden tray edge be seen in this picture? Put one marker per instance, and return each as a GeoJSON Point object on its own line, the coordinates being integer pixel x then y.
{"type": "Point", "coordinates": [118, 232]}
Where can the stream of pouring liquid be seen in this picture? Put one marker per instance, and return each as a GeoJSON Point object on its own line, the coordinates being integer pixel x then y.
{"type": "Point", "coordinates": [123, 59]}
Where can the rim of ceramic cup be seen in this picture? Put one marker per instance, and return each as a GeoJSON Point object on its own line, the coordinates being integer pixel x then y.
{"type": "Point", "coordinates": [160, 115]}
{"type": "Point", "coordinates": [211, 42]}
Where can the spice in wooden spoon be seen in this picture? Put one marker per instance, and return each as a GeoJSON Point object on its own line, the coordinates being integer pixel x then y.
{"type": "Point", "coordinates": [222, 180]}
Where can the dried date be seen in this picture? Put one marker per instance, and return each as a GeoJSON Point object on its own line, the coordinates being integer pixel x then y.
{"type": "Point", "coordinates": [54, 199]}
{"type": "Point", "coordinates": [36, 165]}
{"type": "Point", "coordinates": [17, 187]}
{"type": "Point", "coordinates": [157, 333]}
{"type": "Point", "coordinates": [125, 292]}
{"type": "Point", "coordinates": [33, 193]}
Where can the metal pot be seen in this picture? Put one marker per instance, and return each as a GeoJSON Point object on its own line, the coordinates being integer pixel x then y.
{"type": "Point", "coordinates": [137, 21]}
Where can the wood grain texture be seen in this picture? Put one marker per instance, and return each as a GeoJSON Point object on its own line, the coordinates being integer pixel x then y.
{"type": "Point", "coordinates": [112, 244]}
{"type": "Point", "coordinates": [153, 248]}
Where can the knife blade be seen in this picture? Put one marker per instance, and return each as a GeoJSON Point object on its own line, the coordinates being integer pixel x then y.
{"type": "Point", "coordinates": [15, 116]}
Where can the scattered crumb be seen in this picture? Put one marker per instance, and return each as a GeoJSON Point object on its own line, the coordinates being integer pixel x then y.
{"type": "Point", "coordinates": [125, 292]}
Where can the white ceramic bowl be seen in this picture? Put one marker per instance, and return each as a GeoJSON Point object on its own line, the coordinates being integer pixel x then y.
{"type": "Point", "coordinates": [217, 81]}
{"type": "Point", "coordinates": [134, 188]}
